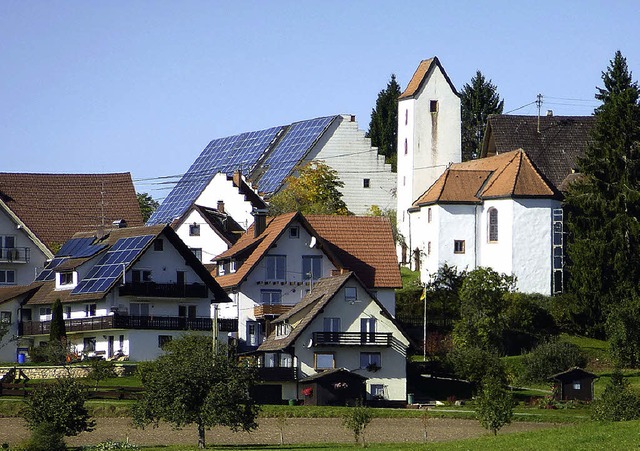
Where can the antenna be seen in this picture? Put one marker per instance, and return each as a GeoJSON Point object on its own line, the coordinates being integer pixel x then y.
{"type": "Point", "coordinates": [539, 105]}
{"type": "Point", "coordinates": [102, 202]}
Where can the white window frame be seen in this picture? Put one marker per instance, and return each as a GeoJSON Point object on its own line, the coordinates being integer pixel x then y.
{"type": "Point", "coordinates": [7, 277]}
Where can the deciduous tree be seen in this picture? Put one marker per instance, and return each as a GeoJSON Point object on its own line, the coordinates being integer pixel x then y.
{"type": "Point", "coordinates": [147, 205]}
{"type": "Point", "coordinates": [494, 404]}
{"type": "Point", "coordinates": [383, 127]}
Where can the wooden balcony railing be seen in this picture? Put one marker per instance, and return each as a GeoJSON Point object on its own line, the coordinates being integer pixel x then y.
{"type": "Point", "coordinates": [277, 374]}
{"type": "Point", "coordinates": [261, 311]}
{"type": "Point", "coordinates": [164, 290]}
{"type": "Point", "coordinates": [352, 338]}
{"type": "Point", "coordinates": [15, 254]}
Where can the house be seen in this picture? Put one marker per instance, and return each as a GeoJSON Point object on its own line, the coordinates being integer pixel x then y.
{"type": "Point", "coordinates": [496, 212]}
{"type": "Point", "coordinates": [267, 157]}
{"type": "Point", "coordinates": [336, 340]}
{"type": "Point", "coordinates": [429, 139]}
{"type": "Point", "coordinates": [124, 291]}
{"type": "Point", "coordinates": [573, 384]}
{"type": "Point", "coordinates": [39, 212]}
{"type": "Point", "coordinates": [278, 260]}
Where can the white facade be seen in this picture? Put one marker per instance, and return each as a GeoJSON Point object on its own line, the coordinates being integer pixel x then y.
{"type": "Point", "coordinates": [221, 188]}
{"type": "Point", "coordinates": [207, 243]}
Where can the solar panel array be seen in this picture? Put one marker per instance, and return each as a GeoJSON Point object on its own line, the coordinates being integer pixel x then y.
{"type": "Point", "coordinates": [110, 267]}
{"type": "Point", "coordinates": [291, 149]}
{"type": "Point", "coordinates": [79, 248]}
{"type": "Point", "coordinates": [48, 272]}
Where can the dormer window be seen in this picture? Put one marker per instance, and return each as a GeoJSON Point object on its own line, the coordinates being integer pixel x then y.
{"type": "Point", "coordinates": [283, 329]}
{"type": "Point", "coordinates": [66, 280]}
{"type": "Point", "coordinates": [194, 229]}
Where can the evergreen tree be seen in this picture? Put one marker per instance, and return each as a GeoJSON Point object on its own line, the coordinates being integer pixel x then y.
{"type": "Point", "coordinates": [58, 332]}
{"type": "Point", "coordinates": [478, 100]}
{"type": "Point", "coordinates": [383, 128]}
{"type": "Point", "coordinates": [603, 206]}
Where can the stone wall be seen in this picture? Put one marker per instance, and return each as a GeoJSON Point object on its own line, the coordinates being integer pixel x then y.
{"type": "Point", "coordinates": [52, 372]}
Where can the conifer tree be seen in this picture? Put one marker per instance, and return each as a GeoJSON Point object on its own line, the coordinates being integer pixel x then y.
{"type": "Point", "coordinates": [58, 332]}
{"type": "Point", "coordinates": [383, 128]}
{"type": "Point", "coordinates": [603, 205]}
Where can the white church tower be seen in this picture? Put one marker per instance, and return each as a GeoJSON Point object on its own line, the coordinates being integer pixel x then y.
{"type": "Point", "coordinates": [429, 139]}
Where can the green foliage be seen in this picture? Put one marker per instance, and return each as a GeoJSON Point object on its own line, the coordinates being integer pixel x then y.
{"type": "Point", "coordinates": [549, 358]}
{"type": "Point", "coordinates": [527, 322]}
{"type": "Point", "coordinates": [383, 128]}
{"type": "Point", "coordinates": [603, 205]}
{"type": "Point", "coordinates": [60, 404]}
{"type": "Point", "coordinates": [100, 370]}
{"type": "Point", "coordinates": [473, 364]}
{"type": "Point", "coordinates": [110, 445]}
{"type": "Point", "coordinates": [189, 385]}
{"type": "Point", "coordinates": [356, 420]}
{"type": "Point", "coordinates": [147, 205]}
{"type": "Point", "coordinates": [314, 191]}
{"type": "Point", "coordinates": [45, 437]}
{"type": "Point", "coordinates": [477, 101]}
{"type": "Point", "coordinates": [58, 332]}
{"type": "Point", "coordinates": [494, 405]}
{"type": "Point", "coordinates": [623, 327]}
{"type": "Point", "coordinates": [390, 214]}
{"type": "Point", "coordinates": [618, 402]}
{"type": "Point", "coordinates": [54, 353]}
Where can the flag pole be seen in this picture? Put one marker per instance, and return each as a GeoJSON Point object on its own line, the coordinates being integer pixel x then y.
{"type": "Point", "coordinates": [424, 336]}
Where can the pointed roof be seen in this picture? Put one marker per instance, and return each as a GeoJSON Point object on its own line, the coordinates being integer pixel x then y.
{"type": "Point", "coordinates": [221, 223]}
{"type": "Point", "coordinates": [54, 206]}
{"type": "Point", "coordinates": [421, 75]}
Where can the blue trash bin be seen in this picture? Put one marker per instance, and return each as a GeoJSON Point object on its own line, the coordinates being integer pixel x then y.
{"type": "Point", "coordinates": [21, 358]}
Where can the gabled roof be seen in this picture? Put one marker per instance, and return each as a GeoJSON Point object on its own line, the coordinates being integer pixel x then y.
{"type": "Point", "coordinates": [54, 206]}
{"type": "Point", "coordinates": [332, 372]}
{"type": "Point", "coordinates": [11, 292]}
{"type": "Point", "coordinates": [421, 75]}
{"type": "Point", "coordinates": [508, 175]}
{"type": "Point", "coordinates": [222, 224]}
{"type": "Point", "coordinates": [554, 149]}
{"type": "Point", "coordinates": [572, 374]}
{"type": "Point", "coordinates": [363, 244]}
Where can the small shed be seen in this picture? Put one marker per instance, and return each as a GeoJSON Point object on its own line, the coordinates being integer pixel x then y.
{"type": "Point", "coordinates": [574, 384]}
{"type": "Point", "coordinates": [335, 387]}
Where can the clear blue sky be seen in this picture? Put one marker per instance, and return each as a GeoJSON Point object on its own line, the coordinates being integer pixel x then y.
{"type": "Point", "coordinates": [143, 86]}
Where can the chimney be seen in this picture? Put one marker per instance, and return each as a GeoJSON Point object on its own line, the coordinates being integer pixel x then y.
{"type": "Point", "coordinates": [259, 222]}
{"type": "Point", "coordinates": [549, 113]}
{"type": "Point", "coordinates": [221, 206]}
{"type": "Point", "coordinates": [119, 223]}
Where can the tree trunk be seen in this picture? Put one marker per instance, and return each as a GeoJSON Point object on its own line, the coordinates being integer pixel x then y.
{"type": "Point", "coordinates": [201, 443]}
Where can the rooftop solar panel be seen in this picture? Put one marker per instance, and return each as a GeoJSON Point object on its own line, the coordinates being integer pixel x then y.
{"type": "Point", "coordinates": [79, 247]}
{"type": "Point", "coordinates": [110, 267]}
{"type": "Point", "coordinates": [48, 273]}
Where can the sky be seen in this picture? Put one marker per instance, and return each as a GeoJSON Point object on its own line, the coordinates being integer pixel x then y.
{"type": "Point", "coordinates": [143, 86]}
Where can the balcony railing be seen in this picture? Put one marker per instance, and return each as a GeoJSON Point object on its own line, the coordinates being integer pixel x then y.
{"type": "Point", "coordinates": [164, 290]}
{"type": "Point", "coordinates": [15, 254]}
{"type": "Point", "coordinates": [352, 338]}
{"type": "Point", "coordinates": [119, 322]}
{"type": "Point", "coordinates": [260, 311]}
{"type": "Point", "coordinates": [277, 374]}
{"type": "Point", "coordinates": [228, 324]}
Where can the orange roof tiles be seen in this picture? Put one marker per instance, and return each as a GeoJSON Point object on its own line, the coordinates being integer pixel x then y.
{"type": "Point", "coordinates": [421, 74]}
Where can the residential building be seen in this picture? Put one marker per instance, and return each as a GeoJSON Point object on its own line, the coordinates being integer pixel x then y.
{"type": "Point", "coordinates": [339, 324]}
{"type": "Point", "coordinates": [39, 212]}
{"type": "Point", "coordinates": [125, 292]}
{"type": "Point", "coordinates": [278, 260]}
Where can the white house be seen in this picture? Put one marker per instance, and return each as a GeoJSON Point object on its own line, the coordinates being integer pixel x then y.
{"type": "Point", "coordinates": [125, 292]}
{"type": "Point", "coordinates": [429, 139]}
{"type": "Point", "coordinates": [338, 324]}
{"type": "Point", "coordinates": [274, 265]}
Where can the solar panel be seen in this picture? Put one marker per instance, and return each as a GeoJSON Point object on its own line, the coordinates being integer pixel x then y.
{"type": "Point", "coordinates": [292, 148]}
{"type": "Point", "coordinates": [110, 267]}
{"type": "Point", "coordinates": [79, 247]}
{"type": "Point", "coordinates": [48, 273]}
{"type": "Point", "coordinates": [225, 155]}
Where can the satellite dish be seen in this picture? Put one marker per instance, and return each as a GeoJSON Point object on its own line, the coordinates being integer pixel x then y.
{"type": "Point", "coordinates": [310, 343]}
{"type": "Point", "coordinates": [312, 243]}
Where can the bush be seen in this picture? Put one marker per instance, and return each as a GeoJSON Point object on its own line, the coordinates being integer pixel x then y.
{"type": "Point", "coordinates": [473, 364]}
{"type": "Point", "coordinates": [356, 420]}
{"type": "Point", "coordinates": [54, 353]}
{"type": "Point", "coordinates": [618, 402]}
{"type": "Point", "coordinates": [494, 404]}
{"type": "Point", "coordinates": [45, 437]}
{"type": "Point", "coordinates": [527, 322]}
{"type": "Point", "coordinates": [550, 358]}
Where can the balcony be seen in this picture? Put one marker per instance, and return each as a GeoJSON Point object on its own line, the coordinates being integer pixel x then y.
{"type": "Point", "coordinates": [164, 290]}
{"type": "Point", "coordinates": [262, 311]}
{"type": "Point", "coordinates": [15, 254]}
{"type": "Point", "coordinates": [118, 322]}
{"type": "Point", "coordinates": [277, 374]}
{"type": "Point", "coordinates": [352, 339]}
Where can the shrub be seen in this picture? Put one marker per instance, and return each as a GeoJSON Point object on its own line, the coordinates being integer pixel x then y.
{"type": "Point", "coordinates": [618, 402]}
{"type": "Point", "coordinates": [473, 364]}
{"type": "Point", "coordinates": [527, 322]}
{"type": "Point", "coordinates": [549, 358]}
{"type": "Point", "coordinates": [494, 405]}
{"type": "Point", "coordinates": [356, 420]}
{"type": "Point", "coordinates": [45, 437]}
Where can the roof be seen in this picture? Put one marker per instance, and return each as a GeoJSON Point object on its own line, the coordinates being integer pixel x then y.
{"type": "Point", "coordinates": [573, 373]}
{"type": "Point", "coordinates": [11, 292]}
{"type": "Point", "coordinates": [222, 224]}
{"type": "Point", "coordinates": [333, 372]}
{"type": "Point", "coordinates": [554, 150]}
{"type": "Point", "coordinates": [510, 175]}
{"type": "Point", "coordinates": [421, 75]}
{"type": "Point", "coordinates": [54, 206]}
{"type": "Point", "coordinates": [370, 255]}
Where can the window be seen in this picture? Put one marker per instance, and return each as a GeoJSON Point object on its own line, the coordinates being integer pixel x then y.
{"type": "Point", "coordinates": [331, 324]}
{"type": "Point", "coordinates": [294, 232]}
{"type": "Point", "coordinates": [366, 183]}
{"type": "Point", "coordinates": [275, 267]}
{"type": "Point", "coordinates": [158, 245]}
{"type": "Point", "coordinates": [370, 360]}
{"type": "Point", "coordinates": [576, 385]}
{"type": "Point", "coordinates": [194, 229]}
{"type": "Point", "coordinates": [324, 360]}
{"type": "Point", "coordinates": [429, 248]}
{"type": "Point", "coordinates": [139, 308]}
{"type": "Point", "coordinates": [7, 247]}
{"type": "Point", "coordinates": [493, 225]}
{"type": "Point", "coordinates": [187, 311]}
{"type": "Point", "coordinates": [283, 329]}
{"type": "Point", "coordinates": [90, 309]}
{"type": "Point", "coordinates": [66, 278]}
{"type": "Point", "coordinates": [89, 344]}
{"type": "Point", "coordinates": [458, 246]}
{"type": "Point", "coordinates": [406, 146]}
{"type": "Point", "coordinates": [5, 317]}
{"type": "Point", "coordinates": [368, 330]}
{"type": "Point", "coordinates": [433, 106]}
{"type": "Point", "coordinates": [7, 277]}
{"type": "Point", "coordinates": [45, 313]}
{"type": "Point", "coordinates": [68, 311]}
{"type": "Point", "coordinates": [141, 275]}
{"type": "Point", "coordinates": [270, 359]}
{"type": "Point", "coordinates": [429, 214]}
{"type": "Point", "coordinates": [311, 267]}
{"type": "Point", "coordinates": [163, 340]}
{"type": "Point", "coordinates": [181, 278]}
{"type": "Point", "coordinates": [406, 117]}
{"type": "Point", "coordinates": [350, 294]}
{"type": "Point", "coordinates": [377, 391]}
{"type": "Point", "coordinates": [197, 252]}
{"type": "Point", "coordinates": [254, 333]}
{"type": "Point", "coordinates": [270, 297]}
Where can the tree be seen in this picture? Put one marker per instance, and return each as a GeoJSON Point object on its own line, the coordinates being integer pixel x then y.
{"type": "Point", "coordinates": [314, 191]}
{"type": "Point", "coordinates": [356, 420]}
{"type": "Point", "coordinates": [100, 370]}
{"type": "Point", "coordinates": [494, 404]}
{"type": "Point", "coordinates": [477, 100]}
{"type": "Point", "coordinates": [603, 205]}
{"type": "Point", "coordinates": [58, 331]}
{"type": "Point", "coordinates": [147, 205]}
{"type": "Point", "coordinates": [58, 407]}
{"type": "Point", "coordinates": [383, 127]}
{"type": "Point", "coordinates": [618, 402]}
{"type": "Point", "coordinates": [189, 384]}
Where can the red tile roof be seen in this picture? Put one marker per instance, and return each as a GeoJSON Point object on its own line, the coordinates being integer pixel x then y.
{"type": "Point", "coordinates": [422, 73]}
{"type": "Point", "coordinates": [55, 206]}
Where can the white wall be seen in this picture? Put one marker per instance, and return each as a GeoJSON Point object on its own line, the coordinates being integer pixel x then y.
{"type": "Point", "coordinates": [235, 204]}
{"type": "Point", "coordinates": [497, 255]}
{"type": "Point", "coordinates": [209, 240]}
{"type": "Point", "coordinates": [25, 273]}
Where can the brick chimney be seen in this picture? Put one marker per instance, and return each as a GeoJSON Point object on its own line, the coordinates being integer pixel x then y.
{"type": "Point", "coordinates": [259, 222]}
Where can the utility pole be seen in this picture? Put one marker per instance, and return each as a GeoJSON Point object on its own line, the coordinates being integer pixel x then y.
{"type": "Point", "coordinates": [539, 105]}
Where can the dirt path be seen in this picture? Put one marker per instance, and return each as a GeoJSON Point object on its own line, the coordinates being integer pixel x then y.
{"type": "Point", "coordinates": [297, 430]}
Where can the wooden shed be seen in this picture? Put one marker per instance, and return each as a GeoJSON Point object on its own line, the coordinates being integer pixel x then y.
{"type": "Point", "coordinates": [574, 384]}
{"type": "Point", "coordinates": [335, 387]}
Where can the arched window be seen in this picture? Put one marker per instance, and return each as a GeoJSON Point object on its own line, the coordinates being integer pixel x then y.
{"type": "Point", "coordinates": [493, 225]}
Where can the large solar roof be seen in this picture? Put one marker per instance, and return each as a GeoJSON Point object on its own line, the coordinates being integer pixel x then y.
{"type": "Point", "coordinates": [73, 248]}
{"type": "Point", "coordinates": [276, 150]}
{"type": "Point", "coordinates": [111, 266]}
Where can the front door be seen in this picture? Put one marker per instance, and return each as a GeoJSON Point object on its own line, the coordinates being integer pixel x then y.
{"type": "Point", "coordinates": [110, 346]}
